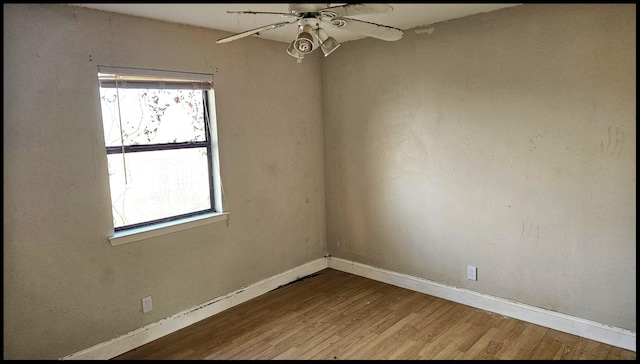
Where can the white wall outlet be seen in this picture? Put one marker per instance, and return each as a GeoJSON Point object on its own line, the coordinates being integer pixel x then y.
{"type": "Point", "coordinates": [472, 273]}
{"type": "Point", "coordinates": [147, 305]}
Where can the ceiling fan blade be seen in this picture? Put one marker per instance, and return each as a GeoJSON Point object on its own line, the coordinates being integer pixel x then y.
{"type": "Point", "coordinates": [369, 29]}
{"type": "Point", "coordinates": [358, 9]}
{"type": "Point", "coordinates": [254, 31]}
{"type": "Point", "coordinates": [262, 12]}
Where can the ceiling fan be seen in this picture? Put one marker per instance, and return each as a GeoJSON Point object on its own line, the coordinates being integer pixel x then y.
{"type": "Point", "coordinates": [311, 35]}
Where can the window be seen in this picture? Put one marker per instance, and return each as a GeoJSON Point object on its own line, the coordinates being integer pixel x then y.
{"type": "Point", "coordinates": [161, 146]}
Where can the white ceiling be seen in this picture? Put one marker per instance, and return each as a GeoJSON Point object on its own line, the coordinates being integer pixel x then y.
{"type": "Point", "coordinates": [215, 16]}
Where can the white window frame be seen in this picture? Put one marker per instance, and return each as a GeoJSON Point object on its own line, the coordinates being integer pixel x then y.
{"type": "Point", "coordinates": [167, 227]}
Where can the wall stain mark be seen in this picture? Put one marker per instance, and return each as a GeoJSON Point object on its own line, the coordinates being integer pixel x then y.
{"type": "Point", "coordinates": [428, 30]}
{"type": "Point", "coordinates": [532, 142]}
{"type": "Point", "coordinates": [532, 146]}
{"type": "Point", "coordinates": [615, 137]}
{"type": "Point", "coordinates": [527, 227]}
{"type": "Point", "coordinates": [524, 223]}
{"type": "Point", "coordinates": [468, 138]}
{"type": "Point", "coordinates": [421, 145]}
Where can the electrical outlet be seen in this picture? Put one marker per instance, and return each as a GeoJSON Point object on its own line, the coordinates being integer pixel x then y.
{"type": "Point", "coordinates": [472, 273]}
{"type": "Point", "coordinates": [147, 305]}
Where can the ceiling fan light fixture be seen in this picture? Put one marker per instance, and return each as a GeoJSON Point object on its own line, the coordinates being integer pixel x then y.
{"type": "Point", "coordinates": [310, 36]}
{"type": "Point", "coordinates": [293, 52]}
{"type": "Point", "coordinates": [304, 41]}
{"type": "Point", "coordinates": [327, 44]}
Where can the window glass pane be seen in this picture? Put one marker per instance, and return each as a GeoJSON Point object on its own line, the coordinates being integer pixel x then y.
{"type": "Point", "coordinates": [151, 116]}
{"type": "Point", "coordinates": [158, 184]}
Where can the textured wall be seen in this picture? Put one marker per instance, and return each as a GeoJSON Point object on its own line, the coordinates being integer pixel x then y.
{"type": "Point", "coordinates": [504, 140]}
{"type": "Point", "coordinates": [65, 287]}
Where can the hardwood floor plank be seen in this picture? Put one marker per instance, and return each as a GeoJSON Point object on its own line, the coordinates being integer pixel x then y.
{"type": "Point", "coordinates": [336, 315]}
{"type": "Point", "coordinates": [289, 354]}
{"type": "Point", "coordinates": [616, 353]}
{"type": "Point", "coordinates": [521, 347]}
{"type": "Point", "coordinates": [440, 326]}
{"type": "Point", "coordinates": [589, 350]}
{"type": "Point", "coordinates": [490, 344]}
{"type": "Point", "coordinates": [554, 345]}
{"type": "Point", "coordinates": [352, 342]}
{"type": "Point", "coordinates": [448, 347]}
{"type": "Point", "coordinates": [393, 337]}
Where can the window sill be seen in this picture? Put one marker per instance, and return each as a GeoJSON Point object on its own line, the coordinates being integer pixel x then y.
{"type": "Point", "coordinates": [130, 236]}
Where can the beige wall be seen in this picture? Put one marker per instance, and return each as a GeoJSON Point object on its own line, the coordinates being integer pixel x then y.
{"type": "Point", "coordinates": [504, 140]}
{"type": "Point", "coordinates": [65, 287]}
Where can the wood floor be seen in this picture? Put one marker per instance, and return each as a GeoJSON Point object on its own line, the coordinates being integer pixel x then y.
{"type": "Point", "coordinates": [337, 315]}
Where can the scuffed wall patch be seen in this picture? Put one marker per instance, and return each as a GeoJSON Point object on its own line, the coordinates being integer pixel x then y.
{"type": "Point", "coordinates": [428, 30]}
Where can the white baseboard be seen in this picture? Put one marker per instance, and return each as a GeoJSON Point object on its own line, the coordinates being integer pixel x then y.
{"type": "Point", "coordinates": [576, 326]}
{"type": "Point", "coordinates": [122, 344]}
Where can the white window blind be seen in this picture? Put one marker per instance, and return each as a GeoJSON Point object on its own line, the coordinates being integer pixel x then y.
{"type": "Point", "coordinates": [111, 77]}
